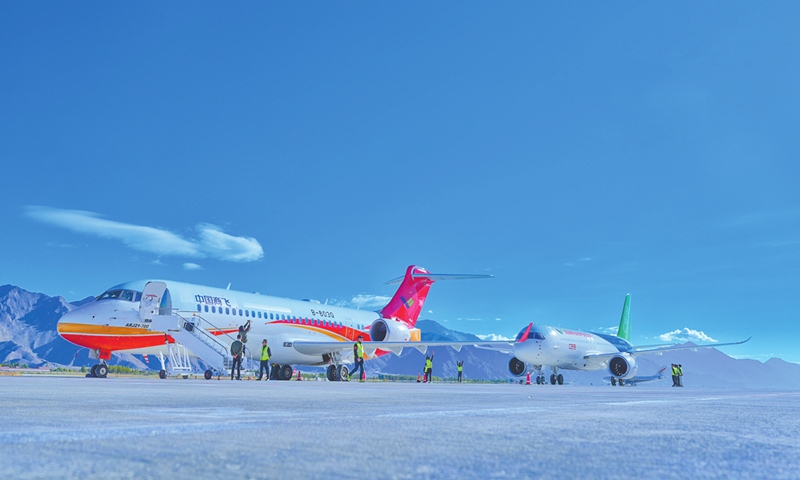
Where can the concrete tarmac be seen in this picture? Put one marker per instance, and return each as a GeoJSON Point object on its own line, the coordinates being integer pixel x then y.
{"type": "Point", "coordinates": [148, 428]}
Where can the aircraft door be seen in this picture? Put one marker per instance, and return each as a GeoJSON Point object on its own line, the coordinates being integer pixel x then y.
{"type": "Point", "coordinates": [150, 305]}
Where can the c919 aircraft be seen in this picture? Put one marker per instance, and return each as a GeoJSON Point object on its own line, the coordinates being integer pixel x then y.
{"type": "Point", "coordinates": [541, 345]}
{"type": "Point", "coordinates": [159, 316]}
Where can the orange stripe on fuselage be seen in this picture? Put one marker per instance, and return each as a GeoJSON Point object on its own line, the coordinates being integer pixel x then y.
{"type": "Point", "coordinates": [112, 338]}
{"type": "Point", "coordinates": [92, 329]}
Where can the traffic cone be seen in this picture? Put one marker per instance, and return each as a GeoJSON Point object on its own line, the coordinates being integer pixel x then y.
{"type": "Point", "coordinates": [528, 379]}
{"type": "Point", "coordinates": [363, 375]}
{"type": "Point", "coordinates": [299, 376]}
{"type": "Point", "coordinates": [418, 380]}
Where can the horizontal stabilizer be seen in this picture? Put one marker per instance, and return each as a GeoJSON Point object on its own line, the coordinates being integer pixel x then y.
{"type": "Point", "coordinates": [440, 276]}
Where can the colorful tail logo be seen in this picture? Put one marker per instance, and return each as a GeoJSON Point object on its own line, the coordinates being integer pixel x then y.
{"type": "Point", "coordinates": [406, 305]}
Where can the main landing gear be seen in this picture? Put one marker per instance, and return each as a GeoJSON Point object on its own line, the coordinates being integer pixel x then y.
{"type": "Point", "coordinates": [614, 382]}
{"type": "Point", "coordinates": [338, 373]}
{"type": "Point", "coordinates": [98, 371]}
{"type": "Point", "coordinates": [281, 372]}
{"type": "Point", "coordinates": [556, 377]}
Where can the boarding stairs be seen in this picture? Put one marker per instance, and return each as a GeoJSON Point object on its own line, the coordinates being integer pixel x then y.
{"type": "Point", "coordinates": [189, 333]}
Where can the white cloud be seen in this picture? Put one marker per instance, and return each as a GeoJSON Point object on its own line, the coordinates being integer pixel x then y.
{"type": "Point", "coordinates": [493, 337]}
{"type": "Point", "coordinates": [368, 301]}
{"type": "Point", "coordinates": [212, 242]}
{"type": "Point", "coordinates": [191, 266]}
{"type": "Point", "coordinates": [583, 259]}
{"type": "Point", "coordinates": [496, 319]}
{"type": "Point", "coordinates": [686, 335]}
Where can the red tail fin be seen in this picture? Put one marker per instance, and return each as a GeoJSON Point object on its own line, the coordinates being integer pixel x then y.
{"type": "Point", "coordinates": [406, 305]}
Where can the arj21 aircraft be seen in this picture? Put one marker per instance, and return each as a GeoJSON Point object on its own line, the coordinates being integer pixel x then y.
{"type": "Point", "coordinates": [158, 317]}
{"type": "Point", "coordinates": [539, 346]}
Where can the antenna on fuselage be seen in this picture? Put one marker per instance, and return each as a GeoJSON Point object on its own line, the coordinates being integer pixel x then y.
{"type": "Point", "coordinates": [229, 286]}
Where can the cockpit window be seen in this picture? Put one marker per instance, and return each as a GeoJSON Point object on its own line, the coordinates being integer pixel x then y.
{"type": "Point", "coordinates": [126, 295]}
{"type": "Point", "coordinates": [531, 335]}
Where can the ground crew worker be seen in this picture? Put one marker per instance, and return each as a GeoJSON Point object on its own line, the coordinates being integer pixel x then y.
{"type": "Point", "coordinates": [243, 330]}
{"type": "Point", "coordinates": [236, 352]}
{"type": "Point", "coordinates": [429, 368]}
{"type": "Point", "coordinates": [265, 354]}
{"type": "Point", "coordinates": [358, 355]}
{"type": "Point", "coordinates": [674, 375]}
{"type": "Point", "coordinates": [680, 375]}
{"type": "Point", "coordinates": [460, 369]}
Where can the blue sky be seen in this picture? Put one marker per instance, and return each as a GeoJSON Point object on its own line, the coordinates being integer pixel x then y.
{"type": "Point", "coordinates": [577, 153]}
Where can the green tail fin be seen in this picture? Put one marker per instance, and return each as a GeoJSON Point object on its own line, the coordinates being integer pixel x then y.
{"type": "Point", "coordinates": [624, 331]}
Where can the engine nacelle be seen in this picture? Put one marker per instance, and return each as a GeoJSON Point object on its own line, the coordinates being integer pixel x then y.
{"type": "Point", "coordinates": [387, 330]}
{"type": "Point", "coordinates": [622, 366]}
{"type": "Point", "coordinates": [516, 366]}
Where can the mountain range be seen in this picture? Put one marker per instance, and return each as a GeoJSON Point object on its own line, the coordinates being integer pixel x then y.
{"type": "Point", "coordinates": [28, 336]}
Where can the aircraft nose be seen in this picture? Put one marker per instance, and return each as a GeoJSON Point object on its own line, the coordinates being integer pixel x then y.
{"type": "Point", "coordinates": [82, 314]}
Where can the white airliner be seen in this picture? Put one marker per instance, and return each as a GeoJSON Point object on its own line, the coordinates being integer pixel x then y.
{"type": "Point", "coordinates": [538, 346]}
{"type": "Point", "coordinates": [165, 317]}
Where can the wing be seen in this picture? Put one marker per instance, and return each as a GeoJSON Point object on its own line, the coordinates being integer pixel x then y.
{"type": "Point", "coordinates": [370, 348]}
{"type": "Point", "coordinates": [659, 350]}
{"type": "Point", "coordinates": [640, 379]}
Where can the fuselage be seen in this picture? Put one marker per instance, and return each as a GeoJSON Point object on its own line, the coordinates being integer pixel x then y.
{"type": "Point", "coordinates": [564, 348]}
{"type": "Point", "coordinates": [113, 322]}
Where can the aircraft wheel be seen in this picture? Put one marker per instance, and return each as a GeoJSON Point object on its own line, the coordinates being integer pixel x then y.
{"type": "Point", "coordinates": [552, 379]}
{"type": "Point", "coordinates": [207, 375]}
{"type": "Point", "coordinates": [331, 373]}
{"type": "Point", "coordinates": [286, 372]}
{"type": "Point", "coordinates": [101, 370]}
{"type": "Point", "coordinates": [621, 382]}
{"type": "Point", "coordinates": [162, 374]}
{"type": "Point", "coordinates": [275, 374]}
{"type": "Point", "coordinates": [341, 373]}
{"type": "Point", "coordinates": [92, 371]}
{"type": "Point", "coordinates": [613, 382]}
{"type": "Point", "coordinates": [560, 379]}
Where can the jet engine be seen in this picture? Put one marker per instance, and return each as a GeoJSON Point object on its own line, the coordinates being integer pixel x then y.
{"type": "Point", "coordinates": [388, 330]}
{"type": "Point", "coordinates": [622, 366]}
{"type": "Point", "coordinates": [516, 366]}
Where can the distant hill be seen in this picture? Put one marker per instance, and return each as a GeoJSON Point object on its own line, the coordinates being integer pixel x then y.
{"type": "Point", "coordinates": [28, 335]}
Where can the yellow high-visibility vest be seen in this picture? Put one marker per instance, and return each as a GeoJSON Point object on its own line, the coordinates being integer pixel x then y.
{"type": "Point", "coordinates": [359, 350]}
{"type": "Point", "coordinates": [460, 369]}
{"type": "Point", "coordinates": [264, 353]}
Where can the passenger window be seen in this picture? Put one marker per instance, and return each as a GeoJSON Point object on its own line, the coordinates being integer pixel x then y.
{"type": "Point", "coordinates": [227, 311]}
{"type": "Point", "coordinates": [240, 313]}
{"type": "Point", "coordinates": [213, 309]}
{"type": "Point", "coordinates": [246, 313]}
{"type": "Point", "coordinates": [199, 308]}
{"type": "Point", "coordinates": [206, 308]}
